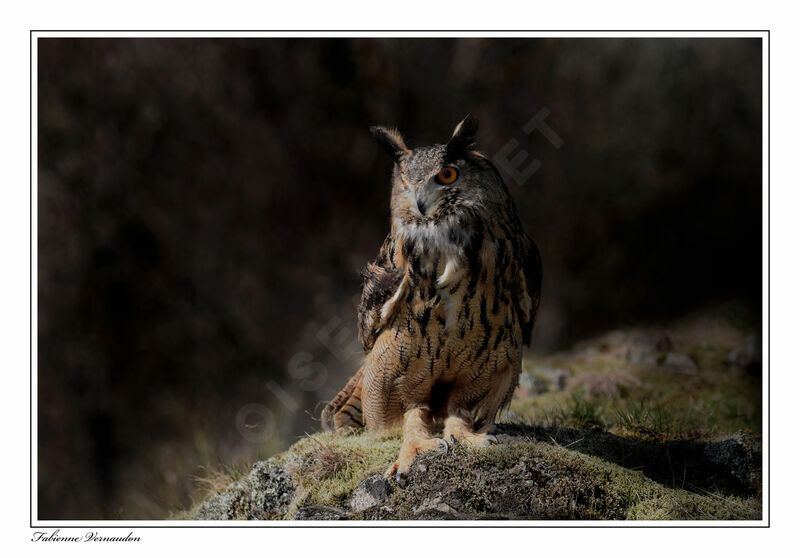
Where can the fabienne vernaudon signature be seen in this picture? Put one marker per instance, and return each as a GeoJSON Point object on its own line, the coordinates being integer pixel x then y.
{"type": "Point", "coordinates": [89, 536]}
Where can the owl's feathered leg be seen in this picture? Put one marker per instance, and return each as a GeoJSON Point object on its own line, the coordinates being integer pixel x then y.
{"type": "Point", "coordinates": [458, 427]}
{"type": "Point", "coordinates": [344, 410]}
{"type": "Point", "coordinates": [416, 439]}
{"type": "Point", "coordinates": [471, 423]}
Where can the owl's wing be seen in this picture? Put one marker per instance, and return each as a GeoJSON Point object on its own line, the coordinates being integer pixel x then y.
{"type": "Point", "coordinates": [530, 283]}
{"type": "Point", "coordinates": [384, 283]}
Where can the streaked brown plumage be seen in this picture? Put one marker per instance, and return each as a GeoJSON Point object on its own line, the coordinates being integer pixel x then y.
{"type": "Point", "coordinates": [448, 303]}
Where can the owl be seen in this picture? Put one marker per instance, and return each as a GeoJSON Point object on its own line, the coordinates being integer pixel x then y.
{"type": "Point", "coordinates": [447, 305]}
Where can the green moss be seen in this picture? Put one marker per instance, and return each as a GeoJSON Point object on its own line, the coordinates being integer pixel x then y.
{"type": "Point", "coordinates": [686, 506]}
{"type": "Point", "coordinates": [648, 402]}
{"type": "Point", "coordinates": [360, 455]}
{"type": "Point", "coordinates": [648, 500]}
{"type": "Point", "coordinates": [530, 480]}
{"type": "Point", "coordinates": [518, 478]}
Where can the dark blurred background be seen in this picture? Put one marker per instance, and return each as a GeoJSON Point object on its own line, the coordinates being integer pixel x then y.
{"type": "Point", "coordinates": [205, 206]}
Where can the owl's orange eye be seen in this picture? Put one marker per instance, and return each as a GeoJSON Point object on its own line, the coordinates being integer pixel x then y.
{"type": "Point", "coordinates": [447, 175]}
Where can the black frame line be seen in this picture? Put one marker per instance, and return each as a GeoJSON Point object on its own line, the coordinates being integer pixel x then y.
{"type": "Point", "coordinates": [444, 524]}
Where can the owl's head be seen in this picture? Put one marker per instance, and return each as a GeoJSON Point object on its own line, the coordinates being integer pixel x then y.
{"type": "Point", "coordinates": [445, 184]}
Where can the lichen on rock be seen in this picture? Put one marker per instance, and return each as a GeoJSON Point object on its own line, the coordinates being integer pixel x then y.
{"type": "Point", "coordinates": [231, 503]}
{"type": "Point", "coordinates": [271, 489]}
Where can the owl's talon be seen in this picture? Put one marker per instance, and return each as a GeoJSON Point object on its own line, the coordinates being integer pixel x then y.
{"type": "Point", "coordinates": [452, 439]}
{"type": "Point", "coordinates": [441, 442]}
{"type": "Point", "coordinates": [390, 472]}
{"type": "Point", "coordinates": [401, 479]}
{"type": "Point", "coordinates": [461, 431]}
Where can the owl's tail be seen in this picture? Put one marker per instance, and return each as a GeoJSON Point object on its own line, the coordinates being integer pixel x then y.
{"type": "Point", "coordinates": [345, 409]}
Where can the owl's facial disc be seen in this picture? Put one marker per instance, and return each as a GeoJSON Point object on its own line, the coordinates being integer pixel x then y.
{"type": "Point", "coordinates": [418, 199]}
{"type": "Point", "coordinates": [410, 195]}
{"type": "Point", "coordinates": [428, 195]}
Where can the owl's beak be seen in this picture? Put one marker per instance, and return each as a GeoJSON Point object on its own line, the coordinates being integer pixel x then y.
{"type": "Point", "coordinates": [427, 197]}
{"type": "Point", "coordinates": [420, 205]}
{"type": "Point", "coordinates": [413, 202]}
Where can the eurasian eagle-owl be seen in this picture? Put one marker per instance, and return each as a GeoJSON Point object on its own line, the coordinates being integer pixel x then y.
{"type": "Point", "coordinates": [447, 305]}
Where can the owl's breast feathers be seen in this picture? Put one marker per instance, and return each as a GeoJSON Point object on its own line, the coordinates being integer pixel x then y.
{"type": "Point", "coordinates": [485, 281]}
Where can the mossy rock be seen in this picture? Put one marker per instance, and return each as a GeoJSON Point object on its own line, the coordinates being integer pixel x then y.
{"type": "Point", "coordinates": [637, 424]}
{"type": "Point", "coordinates": [528, 475]}
{"type": "Point", "coordinates": [231, 503]}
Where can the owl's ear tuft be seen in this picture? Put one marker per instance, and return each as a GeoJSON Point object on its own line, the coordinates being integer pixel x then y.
{"type": "Point", "coordinates": [390, 140]}
{"type": "Point", "coordinates": [464, 137]}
